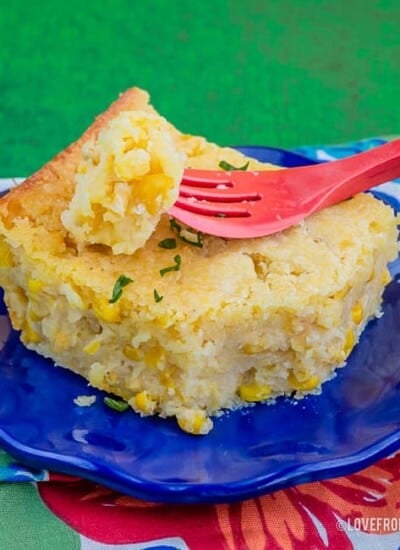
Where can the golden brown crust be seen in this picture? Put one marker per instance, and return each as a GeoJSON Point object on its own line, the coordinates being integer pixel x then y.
{"type": "Point", "coordinates": [61, 168]}
{"type": "Point", "coordinates": [64, 163]}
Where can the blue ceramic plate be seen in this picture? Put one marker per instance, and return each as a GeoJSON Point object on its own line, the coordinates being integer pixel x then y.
{"type": "Point", "coordinates": [355, 421]}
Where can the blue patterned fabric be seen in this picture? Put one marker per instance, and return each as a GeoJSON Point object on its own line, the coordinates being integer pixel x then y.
{"type": "Point", "coordinates": [389, 192]}
{"type": "Point", "coordinates": [331, 152]}
{"type": "Point", "coordinates": [11, 470]}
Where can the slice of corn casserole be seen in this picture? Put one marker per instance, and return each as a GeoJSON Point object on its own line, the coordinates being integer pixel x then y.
{"type": "Point", "coordinates": [188, 324]}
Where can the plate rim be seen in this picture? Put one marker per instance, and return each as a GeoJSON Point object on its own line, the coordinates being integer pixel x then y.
{"type": "Point", "coordinates": [205, 493]}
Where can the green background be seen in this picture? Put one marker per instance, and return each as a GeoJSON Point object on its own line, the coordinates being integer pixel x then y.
{"type": "Point", "coordinates": [278, 72]}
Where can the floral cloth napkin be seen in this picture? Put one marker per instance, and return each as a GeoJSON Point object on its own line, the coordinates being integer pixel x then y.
{"type": "Point", "coordinates": [40, 510]}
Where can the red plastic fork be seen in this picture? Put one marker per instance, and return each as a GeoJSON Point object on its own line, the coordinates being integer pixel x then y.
{"type": "Point", "coordinates": [241, 204]}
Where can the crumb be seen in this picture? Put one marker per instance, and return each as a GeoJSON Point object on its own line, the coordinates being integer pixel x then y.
{"type": "Point", "coordinates": [85, 400]}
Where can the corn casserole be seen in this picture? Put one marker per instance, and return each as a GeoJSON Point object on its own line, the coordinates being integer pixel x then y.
{"type": "Point", "coordinates": [98, 278]}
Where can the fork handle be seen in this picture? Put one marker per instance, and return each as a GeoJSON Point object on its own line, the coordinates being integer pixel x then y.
{"type": "Point", "coordinates": [351, 175]}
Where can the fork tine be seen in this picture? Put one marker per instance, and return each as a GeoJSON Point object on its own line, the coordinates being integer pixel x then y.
{"type": "Point", "coordinates": [219, 195]}
{"type": "Point", "coordinates": [213, 209]}
{"type": "Point", "coordinates": [232, 227]}
{"type": "Point", "coordinates": [206, 178]}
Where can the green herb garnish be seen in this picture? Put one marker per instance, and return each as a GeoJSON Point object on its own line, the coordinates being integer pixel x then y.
{"type": "Point", "coordinates": [168, 243]}
{"type": "Point", "coordinates": [175, 267]}
{"type": "Point", "coordinates": [157, 297]}
{"type": "Point", "coordinates": [229, 167]}
{"type": "Point", "coordinates": [119, 285]}
{"type": "Point", "coordinates": [173, 224]}
{"type": "Point", "coordinates": [116, 404]}
{"type": "Point", "coordinates": [186, 235]}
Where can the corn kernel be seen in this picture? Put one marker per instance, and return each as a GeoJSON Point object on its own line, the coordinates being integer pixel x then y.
{"type": "Point", "coordinates": [31, 336]}
{"type": "Point", "coordinates": [129, 144]}
{"type": "Point", "coordinates": [251, 349]}
{"type": "Point", "coordinates": [194, 422]}
{"type": "Point", "coordinates": [106, 312]}
{"type": "Point", "coordinates": [92, 347]}
{"type": "Point", "coordinates": [6, 259]}
{"type": "Point", "coordinates": [163, 321]}
{"type": "Point", "coordinates": [339, 356]}
{"type": "Point", "coordinates": [166, 380]}
{"type": "Point", "coordinates": [33, 316]}
{"type": "Point", "coordinates": [341, 293]}
{"type": "Point", "coordinates": [386, 277]}
{"type": "Point", "coordinates": [111, 377]}
{"type": "Point", "coordinates": [357, 313]}
{"type": "Point", "coordinates": [35, 285]}
{"type": "Point", "coordinates": [97, 375]}
{"type": "Point", "coordinates": [155, 185]}
{"type": "Point", "coordinates": [257, 312]}
{"type": "Point", "coordinates": [134, 354]}
{"type": "Point", "coordinates": [82, 169]}
{"type": "Point", "coordinates": [254, 392]}
{"type": "Point", "coordinates": [153, 357]}
{"type": "Point", "coordinates": [372, 276]}
{"type": "Point", "coordinates": [309, 383]}
{"type": "Point", "coordinates": [143, 402]}
{"type": "Point", "coordinates": [349, 341]}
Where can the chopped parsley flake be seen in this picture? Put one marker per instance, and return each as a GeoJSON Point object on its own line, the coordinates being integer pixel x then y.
{"type": "Point", "coordinates": [228, 167]}
{"type": "Point", "coordinates": [175, 225]}
{"type": "Point", "coordinates": [116, 404]}
{"type": "Point", "coordinates": [168, 243]}
{"type": "Point", "coordinates": [186, 235]}
{"type": "Point", "coordinates": [195, 239]}
{"type": "Point", "coordinates": [175, 267]}
{"type": "Point", "coordinates": [119, 285]}
{"type": "Point", "coordinates": [157, 297]}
